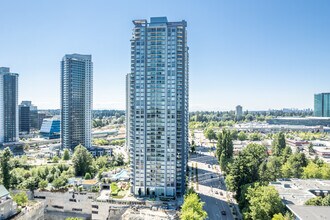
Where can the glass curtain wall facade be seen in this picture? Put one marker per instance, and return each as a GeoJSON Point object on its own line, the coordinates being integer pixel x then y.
{"type": "Point", "coordinates": [28, 117]}
{"type": "Point", "coordinates": [322, 105]}
{"type": "Point", "coordinates": [158, 108]}
{"type": "Point", "coordinates": [9, 127]}
{"type": "Point", "coordinates": [76, 100]}
{"type": "Point", "coordinates": [24, 119]}
{"type": "Point", "coordinates": [50, 128]}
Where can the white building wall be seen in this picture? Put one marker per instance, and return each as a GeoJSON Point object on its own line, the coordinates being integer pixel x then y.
{"type": "Point", "coordinates": [88, 103]}
{"type": "Point", "coordinates": [2, 133]}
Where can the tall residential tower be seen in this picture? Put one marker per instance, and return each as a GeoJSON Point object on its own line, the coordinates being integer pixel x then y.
{"type": "Point", "coordinates": [8, 106]}
{"type": "Point", "coordinates": [76, 100]}
{"type": "Point", "coordinates": [158, 107]}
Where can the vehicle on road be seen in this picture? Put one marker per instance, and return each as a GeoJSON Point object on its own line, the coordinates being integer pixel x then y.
{"type": "Point", "coordinates": [223, 213]}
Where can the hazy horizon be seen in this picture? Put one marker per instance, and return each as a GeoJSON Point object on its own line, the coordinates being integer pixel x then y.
{"type": "Point", "coordinates": [258, 54]}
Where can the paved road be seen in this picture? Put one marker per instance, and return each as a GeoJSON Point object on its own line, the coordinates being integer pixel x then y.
{"type": "Point", "coordinates": [211, 187]}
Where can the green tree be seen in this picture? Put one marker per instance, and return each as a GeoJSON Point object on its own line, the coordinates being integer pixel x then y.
{"type": "Point", "coordinates": [278, 144]}
{"type": "Point", "coordinates": [319, 201]}
{"type": "Point", "coordinates": [311, 149]}
{"type": "Point", "coordinates": [192, 208]}
{"type": "Point", "coordinates": [249, 117]}
{"type": "Point", "coordinates": [234, 134]}
{"type": "Point", "coordinates": [294, 166]}
{"type": "Point", "coordinates": [31, 183]}
{"type": "Point", "coordinates": [101, 162]}
{"type": "Point", "coordinates": [101, 142]}
{"type": "Point", "coordinates": [225, 148]}
{"type": "Point", "coordinates": [270, 170]}
{"type": "Point", "coordinates": [88, 176]}
{"type": "Point", "coordinates": [242, 136]}
{"type": "Point", "coordinates": [66, 154]}
{"type": "Point", "coordinates": [118, 160]}
{"type": "Point", "coordinates": [286, 153]}
{"type": "Point", "coordinates": [326, 201]}
{"type": "Point", "coordinates": [312, 171]}
{"type": "Point", "coordinates": [278, 216]}
{"type": "Point", "coordinates": [43, 184]}
{"type": "Point", "coordinates": [286, 170]}
{"type": "Point", "coordinates": [82, 161]}
{"type": "Point", "coordinates": [118, 142]}
{"type": "Point", "coordinates": [223, 162]}
{"type": "Point", "coordinates": [56, 159]}
{"type": "Point", "coordinates": [325, 171]}
{"type": "Point", "coordinates": [316, 201]}
{"type": "Point", "coordinates": [245, 168]}
{"type": "Point", "coordinates": [5, 157]}
{"type": "Point", "coordinates": [59, 182]}
{"type": "Point", "coordinates": [210, 134]}
{"type": "Point", "coordinates": [255, 137]}
{"type": "Point", "coordinates": [21, 198]}
{"type": "Point", "coordinates": [263, 203]}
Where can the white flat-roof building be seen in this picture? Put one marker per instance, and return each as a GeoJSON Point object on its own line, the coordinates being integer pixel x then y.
{"type": "Point", "coordinates": [295, 192]}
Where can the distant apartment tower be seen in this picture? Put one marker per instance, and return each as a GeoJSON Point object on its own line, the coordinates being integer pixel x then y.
{"type": "Point", "coordinates": [239, 112]}
{"type": "Point", "coordinates": [8, 106]}
{"type": "Point", "coordinates": [158, 107]}
{"type": "Point", "coordinates": [76, 100]}
{"type": "Point", "coordinates": [28, 117]}
{"type": "Point", "coordinates": [322, 105]}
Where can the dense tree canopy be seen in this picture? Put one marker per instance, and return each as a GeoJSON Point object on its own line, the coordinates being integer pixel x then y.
{"type": "Point", "coordinates": [263, 203]}
{"type": "Point", "coordinates": [210, 134]}
{"type": "Point", "coordinates": [245, 167]}
{"type": "Point", "coordinates": [294, 165]}
{"type": "Point", "coordinates": [316, 171]}
{"type": "Point", "coordinates": [270, 170]}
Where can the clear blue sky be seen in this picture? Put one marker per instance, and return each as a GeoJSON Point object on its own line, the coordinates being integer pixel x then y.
{"type": "Point", "coordinates": [259, 54]}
